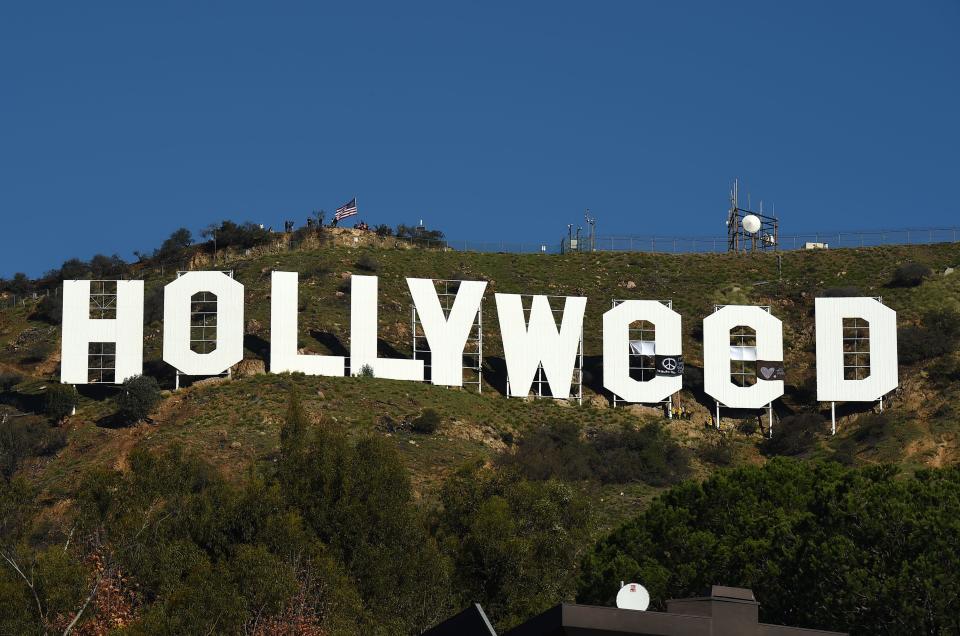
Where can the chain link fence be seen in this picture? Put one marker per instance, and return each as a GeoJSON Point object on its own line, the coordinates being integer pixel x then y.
{"type": "Point", "coordinates": [871, 238]}
{"type": "Point", "coordinates": [12, 300]}
{"type": "Point", "coordinates": [701, 244]}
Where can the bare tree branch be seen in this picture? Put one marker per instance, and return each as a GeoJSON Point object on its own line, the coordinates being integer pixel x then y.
{"type": "Point", "coordinates": [29, 583]}
{"type": "Point", "coordinates": [90, 596]}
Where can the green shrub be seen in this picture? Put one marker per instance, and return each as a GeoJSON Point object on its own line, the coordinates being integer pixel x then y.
{"type": "Point", "coordinates": [648, 454]}
{"type": "Point", "coordinates": [794, 435]}
{"type": "Point", "coordinates": [937, 334]}
{"type": "Point", "coordinates": [59, 400]}
{"type": "Point", "coordinates": [558, 451]}
{"type": "Point", "coordinates": [719, 451]}
{"type": "Point", "coordinates": [747, 426]}
{"type": "Point", "coordinates": [845, 451]}
{"type": "Point", "coordinates": [37, 351]}
{"type": "Point", "coordinates": [872, 428]}
{"type": "Point", "coordinates": [420, 234]}
{"type": "Point", "coordinates": [426, 422]}
{"type": "Point", "coordinates": [945, 370]}
{"type": "Point", "coordinates": [910, 275]}
{"type": "Point", "coordinates": [231, 234]}
{"type": "Point", "coordinates": [27, 436]}
{"type": "Point", "coordinates": [49, 310]}
{"type": "Point", "coordinates": [138, 396]}
{"type": "Point", "coordinates": [552, 451]}
{"type": "Point", "coordinates": [367, 263]}
{"type": "Point", "coordinates": [8, 380]}
{"type": "Point", "coordinates": [366, 371]}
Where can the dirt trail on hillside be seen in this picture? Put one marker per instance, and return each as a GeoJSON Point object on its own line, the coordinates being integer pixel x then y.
{"type": "Point", "coordinates": [130, 437]}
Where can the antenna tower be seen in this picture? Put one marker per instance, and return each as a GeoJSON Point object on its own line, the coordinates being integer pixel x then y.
{"type": "Point", "coordinates": [748, 230]}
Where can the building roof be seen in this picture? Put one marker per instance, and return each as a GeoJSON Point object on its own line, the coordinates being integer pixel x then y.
{"type": "Point", "coordinates": [725, 611]}
{"type": "Point", "coordinates": [470, 622]}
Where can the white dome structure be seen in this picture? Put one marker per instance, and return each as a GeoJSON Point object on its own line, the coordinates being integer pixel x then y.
{"type": "Point", "coordinates": [751, 223]}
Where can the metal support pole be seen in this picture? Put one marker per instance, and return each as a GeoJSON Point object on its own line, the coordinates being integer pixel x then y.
{"type": "Point", "coordinates": [176, 381]}
{"type": "Point", "coordinates": [881, 404]}
{"type": "Point", "coordinates": [718, 416]}
{"type": "Point", "coordinates": [670, 407]}
{"type": "Point", "coordinates": [480, 348]}
{"type": "Point", "coordinates": [770, 416]}
{"type": "Point", "coordinates": [833, 418]}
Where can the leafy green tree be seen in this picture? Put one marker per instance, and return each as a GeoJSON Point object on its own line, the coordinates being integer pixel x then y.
{"type": "Point", "coordinates": [515, 543]}
{"type": "Point", "coordinates": [72, 269]}
{"type": "Point", "coordinates": [19, 285]}
{"type": "Point", "coordinates": [102, 266]}
{"type": "Point", "coordinates": [358, 500]}
{"type": "Point", "coordinates": [866, 550]}
{"type": "Point", "coordinates": [175, 244]}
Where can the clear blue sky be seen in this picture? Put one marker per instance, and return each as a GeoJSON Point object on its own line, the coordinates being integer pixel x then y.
{"type": "Point", "coordinates": [120, 122]}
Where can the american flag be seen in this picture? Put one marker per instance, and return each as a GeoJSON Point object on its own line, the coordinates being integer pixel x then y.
{"type": "Point", "coordinates": [347, 209]}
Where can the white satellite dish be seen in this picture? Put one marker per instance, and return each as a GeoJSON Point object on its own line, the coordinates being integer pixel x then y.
{"type": "Point", "coordinates": [633, 596]}
{"type": "Point", "coordinates": [751, 223]}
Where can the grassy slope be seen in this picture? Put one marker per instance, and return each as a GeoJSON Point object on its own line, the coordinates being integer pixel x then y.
{"type": "Point", "coordinates": [236, 423]}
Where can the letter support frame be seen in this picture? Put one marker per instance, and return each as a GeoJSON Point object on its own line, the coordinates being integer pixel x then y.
{"type": "Point", "coordinates": [473, 351]}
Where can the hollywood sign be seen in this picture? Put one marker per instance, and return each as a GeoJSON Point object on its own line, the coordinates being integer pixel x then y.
{"type": "Point", "coordinates": [531, 339]}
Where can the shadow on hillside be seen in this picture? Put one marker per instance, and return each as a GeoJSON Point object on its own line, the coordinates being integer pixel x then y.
{"type": "Point", "coordinates": [802, 394]}
{"type": "Point", "coordinates": [112, 420]}
{"type": "Point", "coordinates": [386, 350]}
{"type": "Point", "coordinates": [845, 409]}
{"type": "Point", "coordinates": [23, 402]}
{"type": "Point", "coordinates": [495, 374]}
{"type": "Point", "coordinates": [593, 377]}
{"type": "Point", "coordinates": [693, 382]}
{"type": "Point", "coordinates": [101, 392]}
{"type": "Point", "coordinates": [330, 341]}
{"type": "Point", "coordinates": [257, 346]}
{"type": "Point", "coordinates": [161, 371]}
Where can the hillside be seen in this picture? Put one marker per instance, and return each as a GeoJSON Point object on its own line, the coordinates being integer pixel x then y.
{"type": "Point", "coordinates": [236, 424]}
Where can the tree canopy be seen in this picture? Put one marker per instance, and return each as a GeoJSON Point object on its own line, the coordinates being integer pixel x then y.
{"type": "Point", "coordinates": [868, 550]}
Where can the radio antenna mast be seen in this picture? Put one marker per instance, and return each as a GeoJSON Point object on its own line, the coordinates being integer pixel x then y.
{"type": "Point", "coordinates": [747, 229]}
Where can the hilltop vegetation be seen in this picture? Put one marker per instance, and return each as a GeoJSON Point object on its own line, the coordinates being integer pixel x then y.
{"type": "Point", "coordinates": [466, 491]}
